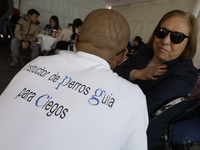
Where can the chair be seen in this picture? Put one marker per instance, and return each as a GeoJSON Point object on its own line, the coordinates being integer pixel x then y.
{"type": "Point", "coordinates": [24, 55]}
{"type": "Point", "coordinates": [7, 32]}
{"type": "Point", "coordinates": [166, 118]}
{"type": "Point", "coordinates": [188, 104]}
{"type": "Point", "coordinates": [10, 29]}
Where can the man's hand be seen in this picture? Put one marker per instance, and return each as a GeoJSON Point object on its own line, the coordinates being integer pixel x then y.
{"type": "Point", "coordinates": [25, 45]}
{"type": "Point", "coordinates": [149, 73]}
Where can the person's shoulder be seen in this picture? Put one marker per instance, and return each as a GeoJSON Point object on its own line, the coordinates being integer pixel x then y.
{"type": "Point", "coordinates": [65, 30]}
{"type": "Point", "coordinates": [189, 64]}
{"type": "Point", "coordinates": [132, 92]}
{"type": "Point", "coordinates": [182, 68]}
{"type": "Point", "coordinates": [184, 64]}
{"type": "Point", "coordinates": [21, 19]}
{"type": "Point", "coordinates": [126, 85]}
{"type": "Point", "coordinates": [26, 18]}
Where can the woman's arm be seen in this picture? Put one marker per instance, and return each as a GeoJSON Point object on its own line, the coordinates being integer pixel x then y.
{"type": "Point", "coordinates": [177, 85]}
{"type": "Point", "coordinates": [126, 67]}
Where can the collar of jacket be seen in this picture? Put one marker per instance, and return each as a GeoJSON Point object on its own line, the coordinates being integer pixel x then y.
{"type": "Point", "coordinates": [27, 18]}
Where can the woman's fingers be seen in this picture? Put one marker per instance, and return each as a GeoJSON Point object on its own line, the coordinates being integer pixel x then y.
{"type": "Point", "coordinates": [154, 72]}
{"type": "Point", "coordinates": [150, 73]}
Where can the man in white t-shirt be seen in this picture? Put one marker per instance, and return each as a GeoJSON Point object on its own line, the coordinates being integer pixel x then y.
{"type": "Point", "coordinates": [74, 101]}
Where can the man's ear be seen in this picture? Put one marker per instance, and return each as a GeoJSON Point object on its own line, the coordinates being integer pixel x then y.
{"type": "Point", "coordinates": [76, 40]}
{"type": "Point", "coordinates": [122, 58]}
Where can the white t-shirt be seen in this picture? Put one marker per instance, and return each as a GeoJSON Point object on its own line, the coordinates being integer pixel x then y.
{"type": "Point", "coordinates": [72, 101]}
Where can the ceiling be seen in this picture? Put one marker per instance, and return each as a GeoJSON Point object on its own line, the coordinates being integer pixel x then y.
{"type": "Point", "coordinates": [123, 2]}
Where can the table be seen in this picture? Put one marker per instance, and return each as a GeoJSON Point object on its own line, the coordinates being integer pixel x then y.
{"type": "Point", "coordinates": [46, 42]}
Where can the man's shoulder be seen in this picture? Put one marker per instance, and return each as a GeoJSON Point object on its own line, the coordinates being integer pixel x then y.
{"type": "Point", "coordinates": [129, 85]}
{"type": "Point", "coordinates": [23, 20]}
{"type": "Point", "coordinates": [66, 30]}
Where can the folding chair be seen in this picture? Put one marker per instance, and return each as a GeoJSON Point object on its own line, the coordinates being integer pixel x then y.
{"type": "Point", "coordinates": [183, 108]}
{"type": "Point", "coordinates": [24, 55]}
{"type": "Point", "coordinates": [7, 33]}
{"type": "Point", "coordinates": [169, 116]}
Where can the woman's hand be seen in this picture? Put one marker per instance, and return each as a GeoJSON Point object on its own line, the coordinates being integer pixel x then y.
{"type": "Point", "coordinates": [149, 73]}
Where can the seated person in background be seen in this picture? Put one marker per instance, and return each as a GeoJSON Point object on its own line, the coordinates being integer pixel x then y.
{"type": "Point", "coordinates": [163, 69]}
{"type": "Point", "coordinates": [70, 25]}
{"type": "Point", "coordinates": [48, 30]}
{"type": "Point", "coordinates": [129, 46]}
{"type": "Point", "coordinates": [15, 16]}
{"type": "Point", "coordinates": [137, 43]}
{"type": "Point", "coordinates": [68, 35]}
{"type": "Point", "coordinates": [26, 32]}
{"type": "Point", "coordinates": [81, 100]}
{"type": "Point", "coordinates": [53, 24]}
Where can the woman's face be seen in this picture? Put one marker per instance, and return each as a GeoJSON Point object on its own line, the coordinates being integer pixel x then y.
{"type": "Point", "coordinates": [164, 49]}
{"type": "Point", "coordinates": [52, 23]}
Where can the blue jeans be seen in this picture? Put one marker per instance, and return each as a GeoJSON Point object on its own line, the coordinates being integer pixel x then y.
{"type": "Point", "coordinates": [187, 130]}
{"type": "Point", "coordinates": [182, 131]}
{"type": "Point", "coordinates": [15, 46]}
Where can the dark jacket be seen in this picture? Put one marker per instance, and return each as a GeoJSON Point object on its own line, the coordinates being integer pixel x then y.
{"type": "Point", "coordinates": [6, 8]}
{"type": "Point", "coordinates": [178, 81]}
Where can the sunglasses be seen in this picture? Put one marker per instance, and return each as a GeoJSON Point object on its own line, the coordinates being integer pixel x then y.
{"type": "Point", "coordinates": [175, 37]}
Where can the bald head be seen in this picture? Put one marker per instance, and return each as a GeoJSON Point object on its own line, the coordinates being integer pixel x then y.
{"type": "Point", "coordinates": [105, 30]}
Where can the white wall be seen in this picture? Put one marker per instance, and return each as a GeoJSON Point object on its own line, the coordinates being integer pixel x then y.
{"type": "Point", "coordinates": [66, 10]}
{"type": "Point", "coordinates": [143, 17]}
